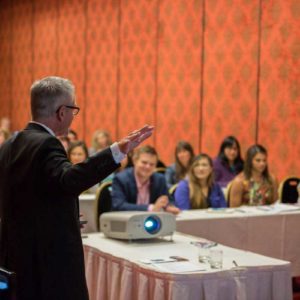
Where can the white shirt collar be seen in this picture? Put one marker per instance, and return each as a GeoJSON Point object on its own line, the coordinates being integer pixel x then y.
{"type": "Point", "coordinates": [44, 126]}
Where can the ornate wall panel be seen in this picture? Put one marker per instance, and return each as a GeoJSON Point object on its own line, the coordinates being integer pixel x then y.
{"type": "Point", "coordinates": [45, 43]}
{"type": "Point", "coordinates": [279, 110]}
{"type": "Point", "coordinates": [179, 75]}
{"type": "Point", "coordinates": [137, 62]}
{"type": "Point", "coordinates": [22, 18]}
{"type": "Point", "coordinates": [72, 51]}
{"type": "Point", "coordinates": [230, 72]}
{"type": "Point", "coordinates": [197, 70]}
{"type": "Point", "coordinates": [102, 51]}
{"type": "Point", "coordinates": [5, 58]}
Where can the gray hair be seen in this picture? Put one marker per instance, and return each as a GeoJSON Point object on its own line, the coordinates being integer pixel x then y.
{"type": "Point", "coordinates": [48, 94]}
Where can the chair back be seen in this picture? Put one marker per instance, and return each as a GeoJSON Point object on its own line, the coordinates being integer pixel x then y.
{"type": "Point", "coordinates": [160, 170]}
{"type": "Point", "coordinates": [7, 285]}
{"type": "Point", "coordinates": [103, 201]}
{"type": "Point", "coordinates": [288, 192]}
{"type": "Point", "coordinates": [227, 193]}
{"type": "Point", "coordinates": [172, 190]}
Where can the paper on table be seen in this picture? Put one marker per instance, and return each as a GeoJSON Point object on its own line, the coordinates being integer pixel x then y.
{"type": "Point", "coordinates": [180, 267]}
{"type": "Point", "coordinates": [281, 207]}
{"type": "Point", "coordinates": [220, 210]}
{"type": "Point", "coordinates": [157, 260]}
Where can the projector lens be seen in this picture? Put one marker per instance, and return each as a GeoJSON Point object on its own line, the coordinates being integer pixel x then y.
{"type": "Point", "coordinates": [152, 224]}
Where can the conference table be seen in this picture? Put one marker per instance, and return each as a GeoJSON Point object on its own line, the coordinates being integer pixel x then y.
{"type": "Point", "coordinates": [120, 269]}
{"type": "Point", "coordinates": [268, 230]}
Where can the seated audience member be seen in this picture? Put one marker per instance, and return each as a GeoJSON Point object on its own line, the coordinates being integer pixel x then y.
{"type": "Point", "coordinates": [72, 135]}
{"type": "Point", "coordinates": [255, 185]}
{"type": "Point", "coordinates": [199, 190]}
{"type": "Point", "coordinates": [228, 162]}
{"type": "Point", "coordinates": [101, 140]}
{"type": "Point", "coordinates": [139, 187]}
{"type": "Point", "coordinates": [5, 124]}
{"type": "Point", "coordinates": [77, 153]}
{"type": "Point", "coordinates": [129, 162]}
{"type": "Point", "coordinates": [184, 155]}
{"type": "Point", "coordinates": [4, 135]}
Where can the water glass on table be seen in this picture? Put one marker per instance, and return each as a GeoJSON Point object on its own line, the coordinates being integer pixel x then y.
{"type": "Point", "coordinates": [216, 258]}
{"type": "Point", "coordinates": [203, 254]}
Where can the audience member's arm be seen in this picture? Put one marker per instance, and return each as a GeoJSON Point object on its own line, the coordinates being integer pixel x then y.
{"type": "Point", "coordinates": [160, 203]}
{"type": "Point", "coordinates": [236, 193]}
{"type": "Point", "coordinates": [220, 197]}
{"type": "Point", "coordinates": [182, 195]}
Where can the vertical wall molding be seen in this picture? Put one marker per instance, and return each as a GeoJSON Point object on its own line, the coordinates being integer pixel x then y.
{"type": "Point", "coordinates": [202, 59]}
{"type": "Point", "coordinates": [258, 71]}
{"type": "Point", "coordinates": [57, 37]}
{"type": "Point", "coordinates": [11, 59]}
{"type": "Point", "coordinates": [118, 73]}
{"type": "Point", "coordinates": [157, 47]}
{"type": "Point", "coordinates": [32, 40]}
{"type": "Point", "coordinates": [85, 102]}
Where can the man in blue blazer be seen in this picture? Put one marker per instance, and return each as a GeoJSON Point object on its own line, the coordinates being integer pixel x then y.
{"type": "Point", "coordinates": [140, 188]}
{"type": "Point", "coordinates": [39, 187]}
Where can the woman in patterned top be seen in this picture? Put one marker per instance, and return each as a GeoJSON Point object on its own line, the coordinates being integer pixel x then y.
{"type": "Point", "coordinates": [255, 185]}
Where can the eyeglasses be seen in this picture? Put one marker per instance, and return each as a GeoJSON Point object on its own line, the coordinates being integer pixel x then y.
{"type": "Point", "coordinates": [75, 109]}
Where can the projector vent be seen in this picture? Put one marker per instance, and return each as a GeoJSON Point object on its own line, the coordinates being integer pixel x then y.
{"type": "Point", "coordinates": [118, 226]}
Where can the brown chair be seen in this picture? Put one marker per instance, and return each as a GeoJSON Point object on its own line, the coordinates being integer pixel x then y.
{"type": "Point", "coordinates": [7, 284]}
{"type": "Point", "coordinates": [227, 192]}
{"type": "Point", "coordinates": [288, 192]}
{"type": "Point", "coordinates": [160, 170]}
{"type": "Point", "coordinates": [172, 189]}
{"type": "Point", "coordinates": [103, 201]}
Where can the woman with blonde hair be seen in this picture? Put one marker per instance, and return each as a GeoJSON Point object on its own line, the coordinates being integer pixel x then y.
{"type": "Point", "coordinates": [199, 190]}
{"type": "Point", "coordinates": [255, 185]}
{"type": "Point", "coordinates": [4, 135]}
{"type": "Point", "coordinates": [101, 140]}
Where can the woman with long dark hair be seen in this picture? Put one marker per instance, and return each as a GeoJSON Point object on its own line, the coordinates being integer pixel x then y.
{"type": "Point", "coordinates": [184, 155]}
{"type": "Point", "coordinates": [199, 190]}
{"type": "Point", "coordinates": [255, 185]}
{"type": "Point", "coordinates": [229, 162]}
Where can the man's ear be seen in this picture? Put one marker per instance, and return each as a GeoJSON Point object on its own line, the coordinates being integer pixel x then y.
{"type": "Point", "coordinates": [60, 113]}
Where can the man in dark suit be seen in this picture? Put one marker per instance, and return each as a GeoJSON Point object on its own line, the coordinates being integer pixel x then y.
{"type": "Point", "coordinates": [40, 231]}
{"type": "Point", "coordinates": [140, 188]}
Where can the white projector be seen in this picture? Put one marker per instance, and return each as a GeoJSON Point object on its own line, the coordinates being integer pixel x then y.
{"type": "Point", "coordinates": [132, 225]}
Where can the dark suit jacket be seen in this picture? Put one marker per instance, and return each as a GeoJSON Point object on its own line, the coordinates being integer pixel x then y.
{"type": "Point", "coordinates": [40, 236]}
{"type": "Point", "coordinates": [124, 190]}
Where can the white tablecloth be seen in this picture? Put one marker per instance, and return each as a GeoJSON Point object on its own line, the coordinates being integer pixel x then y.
{"type": "Point", "coordinates": [269, 233]}
{"type": "Point", "coordinates": [114, 271]}
{"type": "Point", "coordinates": [87, 208]}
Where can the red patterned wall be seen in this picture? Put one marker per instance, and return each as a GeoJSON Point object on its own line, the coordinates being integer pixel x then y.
{"type": "Point", "coordinates": [279, 110]}
{"type": "Point", "coordinates": [197, 70]}
{"type": "Point", "coordinates": [5, 57]}
{"type": "Point", "coordinates": [179, 75]}
{"type": "Point", "coordinates": [230, 72]}
{"type": "Point", "coordinates": [101, 66]}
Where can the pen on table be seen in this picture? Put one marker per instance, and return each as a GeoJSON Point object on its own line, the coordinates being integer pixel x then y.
{"type": "Point", "coordinates": [235, 263]}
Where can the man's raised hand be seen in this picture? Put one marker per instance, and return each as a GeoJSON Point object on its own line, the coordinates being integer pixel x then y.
{"type": "Point", "coordinates": [135, 138]}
